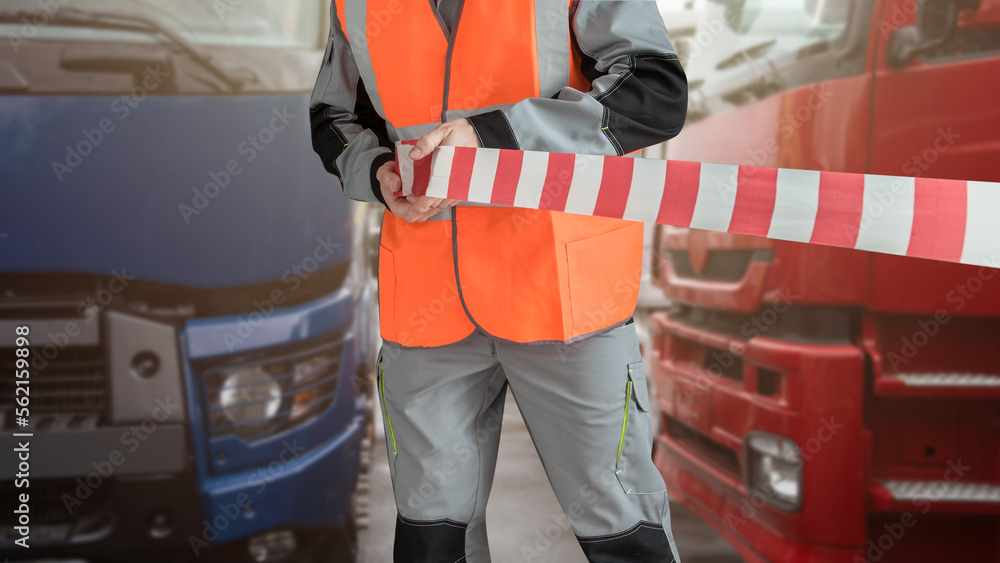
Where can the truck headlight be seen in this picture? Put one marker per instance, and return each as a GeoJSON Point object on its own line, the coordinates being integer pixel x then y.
{"type": "Point", "coordinates": [774, 470]}
{"type": "Point", "coordinates": [308, 386]}
{"type": "Point", "coordinates": [273, 389]}
{"type": "Point", "coordinates": [250, 398]}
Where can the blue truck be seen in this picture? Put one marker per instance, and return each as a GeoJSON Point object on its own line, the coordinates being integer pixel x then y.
{"type": "Point", "coordinates": [189, 284]}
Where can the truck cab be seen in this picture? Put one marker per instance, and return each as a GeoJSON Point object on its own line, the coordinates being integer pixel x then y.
{"type": "Point", "coordinates": [186, 282]}
{"type": "Point", "coordinates": [819, 403]}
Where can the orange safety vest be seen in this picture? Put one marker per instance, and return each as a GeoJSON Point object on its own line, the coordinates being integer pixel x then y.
{"type": "Point", "coordinates": [522, 275]}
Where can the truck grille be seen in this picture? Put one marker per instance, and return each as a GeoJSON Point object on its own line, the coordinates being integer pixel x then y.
{"type": "Point", "coordinates": [49, 512]}
{"type": "Point", "coordinates": [720, 265]}
{"type": "Point", "coordinates": [723, 457]}
{"type": "Point", "coordinates": [70, 391]}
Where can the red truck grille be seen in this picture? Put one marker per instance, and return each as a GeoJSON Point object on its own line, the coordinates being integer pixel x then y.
{"type": "Point", "coordinates": [716, 270]}
{"type": "Point", "coordinates": [718, 265]}
{"type": "Point", "coordinates": [722, 457]}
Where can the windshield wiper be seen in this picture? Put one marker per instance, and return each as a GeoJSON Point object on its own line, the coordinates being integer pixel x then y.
{"type": "Point", "coordinates": [75, 17]}
{"type": "Point", "coordinates": [767, 82]}
{"type": "Point", "coordinates": [746, 55]}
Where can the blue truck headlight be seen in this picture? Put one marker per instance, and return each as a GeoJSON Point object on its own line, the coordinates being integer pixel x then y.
{"type": "Point", "coordinates": [774, 470]}
{"type": "Point", "coordinates": [307, 384]}
{"type": "Point", "coordinates": [250, 398]}
{"type": "Point", "coordinates": [258, 394]}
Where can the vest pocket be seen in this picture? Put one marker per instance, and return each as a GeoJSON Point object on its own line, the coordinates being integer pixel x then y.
{"type": "Point", "coordinates": [603, 273]}
{"type": "Point", "coordinates": [634, 465]}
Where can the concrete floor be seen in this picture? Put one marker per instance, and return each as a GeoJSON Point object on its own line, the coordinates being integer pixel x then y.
{"type": "Point", "coordinates": [521, 504]}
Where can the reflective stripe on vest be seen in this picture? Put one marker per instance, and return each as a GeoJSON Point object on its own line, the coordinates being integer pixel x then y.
{"type": "Point", "coordinates": [522, 275]}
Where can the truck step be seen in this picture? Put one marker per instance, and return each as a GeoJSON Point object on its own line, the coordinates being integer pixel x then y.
{"type": "Point", "coordinates": [949, 379]}
{"type": "Point", "coordinates": [942, 491]}
{"type": "Point", "coordinates": [972, 385]}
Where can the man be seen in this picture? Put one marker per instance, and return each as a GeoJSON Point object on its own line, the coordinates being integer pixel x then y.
{"type": "Point", "coordinates": [474, 299]}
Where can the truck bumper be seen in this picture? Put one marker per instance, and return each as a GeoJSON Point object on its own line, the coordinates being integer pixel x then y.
{"type": "Point", "coordinates": [715, 389]}
{"type": "Point", "coordinates": [303, 477]}
{"type": "Point", "coordinates": [108, 518]}
{"type": "Point", "coordinates": [727, 508]}
{"type": "Point", "coordinates": [157, 488]}
{"type": "Point", "coordinates": [312, 490]}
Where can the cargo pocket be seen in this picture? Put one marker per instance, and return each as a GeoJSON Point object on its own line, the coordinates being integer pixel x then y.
{"type": "Point", "coordinates": [390, 437]}
{"type": "Point", "coordinates": [634, 464]}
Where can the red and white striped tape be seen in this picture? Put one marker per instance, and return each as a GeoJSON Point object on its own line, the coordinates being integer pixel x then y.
{"type": "Point", "coordinates": [950, 220]}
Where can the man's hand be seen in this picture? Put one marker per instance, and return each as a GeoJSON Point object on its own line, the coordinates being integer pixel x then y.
{"type": "Point", "coordinates": [458, 133]}
{"type": "Point", "coordinates": [390, 183]}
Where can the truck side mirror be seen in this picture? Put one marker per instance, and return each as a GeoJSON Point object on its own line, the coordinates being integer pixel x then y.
{"type": "Point", "coordinates": [936, 24]}
{"type": "Point", "coordinates": [739, 15]}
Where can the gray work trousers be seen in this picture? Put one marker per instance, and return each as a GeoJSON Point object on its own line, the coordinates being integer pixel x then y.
{"type": "Point", "coordinates": [586, 408]}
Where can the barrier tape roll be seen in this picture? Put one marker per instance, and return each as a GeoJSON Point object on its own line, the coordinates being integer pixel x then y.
{"type": "Point", "coordinates": [949, 220]}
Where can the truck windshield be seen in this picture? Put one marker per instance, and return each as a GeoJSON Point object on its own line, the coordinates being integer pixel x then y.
{"type": "Point", "coordinates": [746, 50]}
{"type": "Point", "coordinates": [256, 23]}
{"type": "Point", "coordinates": [95, 47]}
{"type": "Point", "coordinates": [789, 26]}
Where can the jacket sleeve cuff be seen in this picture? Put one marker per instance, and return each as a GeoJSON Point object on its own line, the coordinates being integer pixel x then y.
{"type": "Point", "coordinates": [376, 164]}
{"type": "Point", "coordinates": [494, 130]}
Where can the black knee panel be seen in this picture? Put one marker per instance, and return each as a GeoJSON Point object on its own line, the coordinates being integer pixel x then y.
{"type": "Point", "coordinates": [643, 543]}
{"type": "Point", "coordinates": [428, 541]}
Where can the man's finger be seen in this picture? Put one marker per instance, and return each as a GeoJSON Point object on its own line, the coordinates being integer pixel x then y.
{"type": "Point", "coordinates": [389, 178]}
{"type": "Point", "coordinates": [386, 168]}
{"type": "Point", "coordinates": [421, 206]}
{"type": "Point", "coordinates": [423, 199]}
{"type": "Point", "coordinates": [393, 182]}
{"type": "Point", "coordinates": [416, 198]}
{"type": "Point", "coordinates": [400, 207]}
{"type": "Point", "coordinates": [386, 177]}
{"type": "Point", "coordinates": [420, 217]}
{"type": "Point", "coordinates": [429, 142]}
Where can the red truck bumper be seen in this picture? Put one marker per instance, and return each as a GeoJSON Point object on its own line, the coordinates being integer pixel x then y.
{"type": "Point", "coordinates": [883, 478]}
{"type": "Point", "coordinates": [716, 389]}
{"type": "Point", "coordinates": [727, 508]}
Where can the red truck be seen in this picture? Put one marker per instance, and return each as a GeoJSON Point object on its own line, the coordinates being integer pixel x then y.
{"type": "Point", "coordinates": [818, 403]}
